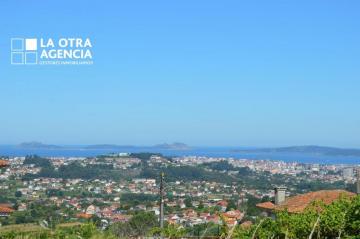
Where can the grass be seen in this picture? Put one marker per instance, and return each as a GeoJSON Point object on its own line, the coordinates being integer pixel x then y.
{"type": "Point", "coordinates": [69, 224]}
{"type": "Point", "coordinates": [22, 228]}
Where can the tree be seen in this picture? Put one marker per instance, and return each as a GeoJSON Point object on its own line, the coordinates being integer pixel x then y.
{"type": "Point", "coordinates": [170, 231]}
{"type": "Point", "coordinates": [340, 219]}
{"type": "Point", "coordinates": [231, 206]}
{"type": "Point", "coordinates": [18, 194]}
{"type": "Point", "coordinates": [188, 202]}
{"type": "Point", "coordinates": [139, 225]}
{"type": "Point", "coordinates": [352, 222]}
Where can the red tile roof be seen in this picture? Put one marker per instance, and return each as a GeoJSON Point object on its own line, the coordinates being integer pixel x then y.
{"type": "Point", "coordinates": [236, 214]}
{"type": "Point", "coordinates": [6, 210]}
{"type": "Point", "coordinates": [4, 163]}
{"type": "Point", "coordinates": [222, 203]}
{"type": "Point", "coordinates": [298, 203]}
{"type": "Point", "coordinates": [83, 215]}
{"type": "Point", "coordinates": [213, 218]}
{"type": "Point", "coordinates": [6, 205]}
{"type": "Point", "coordinates": [266, 205]}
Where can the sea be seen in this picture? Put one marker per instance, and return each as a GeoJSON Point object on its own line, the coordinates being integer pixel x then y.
{"type": "Point", "coordinates": [219, 152]}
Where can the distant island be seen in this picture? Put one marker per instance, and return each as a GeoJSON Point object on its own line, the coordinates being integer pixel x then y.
{"type": "Point", "coordinates": [307, 149]}
{"type": "Point", "coordinates": [37, 145]}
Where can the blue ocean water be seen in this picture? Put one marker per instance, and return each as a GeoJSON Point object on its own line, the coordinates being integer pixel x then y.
{"type": "Point", "coordinates": [226, 152]}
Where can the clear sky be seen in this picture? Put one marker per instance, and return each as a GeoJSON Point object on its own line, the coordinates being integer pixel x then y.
{"type": "Point", "coordinates": [225, 73]}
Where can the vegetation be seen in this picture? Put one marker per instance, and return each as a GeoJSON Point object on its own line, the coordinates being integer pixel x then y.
{"type": "Point", "coordinates": [139, 225]}
{"type": "Point", "coordinates": [214, 172]}
{"type": "Point", "coordinates": [77, 170]}
{"type": "Point", "coordinates": [38, 161]}
{"type": "Point", "coordinates": [220, 166]}
{"type": "Point", "coordinates": [186, 173]}
{"type": "Point", "coordinates": [30, 231]}
{"type": "Point", "coordinates": [133, 199]}
{"type": "Point", "coordinates": [144, 156]}
{"type": "Point", "coordinates": [341, 219]}
{"type": "Point", "coordinates": [35, 212]}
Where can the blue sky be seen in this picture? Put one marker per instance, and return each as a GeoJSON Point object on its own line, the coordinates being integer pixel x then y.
{"type": "Point", "coordinates": [225, 73]}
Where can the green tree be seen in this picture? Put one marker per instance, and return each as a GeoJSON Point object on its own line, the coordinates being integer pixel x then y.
{"type": "Point", "coordinates": [170, 231]}
{"type": "Point", "coordinates": [18, 194]}
{"type": "Point", "coordinates": [231, 205]}
{"type": "Point", "coordinates": [188, 202]}
{"type": "Point", "coordinates": [139, 225]}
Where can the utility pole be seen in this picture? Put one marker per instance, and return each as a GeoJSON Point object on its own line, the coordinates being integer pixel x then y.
{"type": "Point", "coordinates": [162, 200]}
{"type": "Point", "coordinates": [358, 181]}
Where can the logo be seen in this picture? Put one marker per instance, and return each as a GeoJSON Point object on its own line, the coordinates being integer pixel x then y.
{"type": "Point", "coordinates": [21, 54]}
{"type": "Point", "coordinates": [49, 51]}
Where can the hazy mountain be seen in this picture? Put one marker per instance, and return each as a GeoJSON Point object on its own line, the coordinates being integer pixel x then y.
{"type": "Point", "coordinates": [309, 149]}
{"type": "Point", "coordinates": [37, 145]}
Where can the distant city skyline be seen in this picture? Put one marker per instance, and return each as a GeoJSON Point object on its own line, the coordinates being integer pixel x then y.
{"type": "Point", "coordinates": [206, 73]}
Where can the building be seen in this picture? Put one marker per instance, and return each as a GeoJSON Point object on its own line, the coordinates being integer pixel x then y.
{"type": "Point", "coordinates": [232, 217]}
{"type": "Point", "coordinates": [223, 205]}
{"type": "Point", "coordinates": [84, 215]}
{"type": "Point", "coordinates": [348, 173]}
{"type": "Point", "coordinates": [298, 203]}
{"type": "Point", "coordinates": [5, 211]}
{"type": "Point", "coordinates": [91, 210]}
{"type": "Point", "coordinates": [4, 163]}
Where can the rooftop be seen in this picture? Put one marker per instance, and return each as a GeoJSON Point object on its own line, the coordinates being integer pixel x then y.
{"type": "Point", "coordinates": [298, 203]}
{"type": "Point", "coordinates": [6, 210]}
{"type": "Point", "coordinates": [3, 163]}
{"type": "Point", "coordinates": [83, 215]}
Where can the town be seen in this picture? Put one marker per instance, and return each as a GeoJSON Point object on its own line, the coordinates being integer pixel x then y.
{"type": "Point", "coordinates": [113, 188]}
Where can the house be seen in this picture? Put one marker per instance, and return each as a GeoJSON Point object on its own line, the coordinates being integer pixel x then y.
{"type": "Point", "coordinates": [298, 203]}
{"type": "Point", "coordinates": [214, 219]}
{"type": "Point", "coordinates": [5, 211]}
{"type": "Point", "coordinates": [4, 163]}
{"type": "Point", "coordinates": [121, 218]}
{"type": "Point", "coordinates": [204, 215]}
{"type": "Point", "coordinates": [236, 214]}
{"type": "Point", "coordinates": [189, 213]}
{"type": "Point", "coordinates": [107, 212]}
{"type": "Point", "coordinates": [140, 207]}
{"type": "Point", "coordinates": [173, 219]}
{"type": "Point", "coordinates": [232, 217]}
{"type": "Point", "coordinates": [22, 207]}
{"type": "Point", "coordinates": [91, 210]}
{"type": "Point", "coordinates": [84, 215]}
{"type": "Point", "coordinates": [223, 205]}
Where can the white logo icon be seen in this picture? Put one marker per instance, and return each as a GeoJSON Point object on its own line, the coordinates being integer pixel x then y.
{"type": "Point", "coordinates": [24, 55]}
